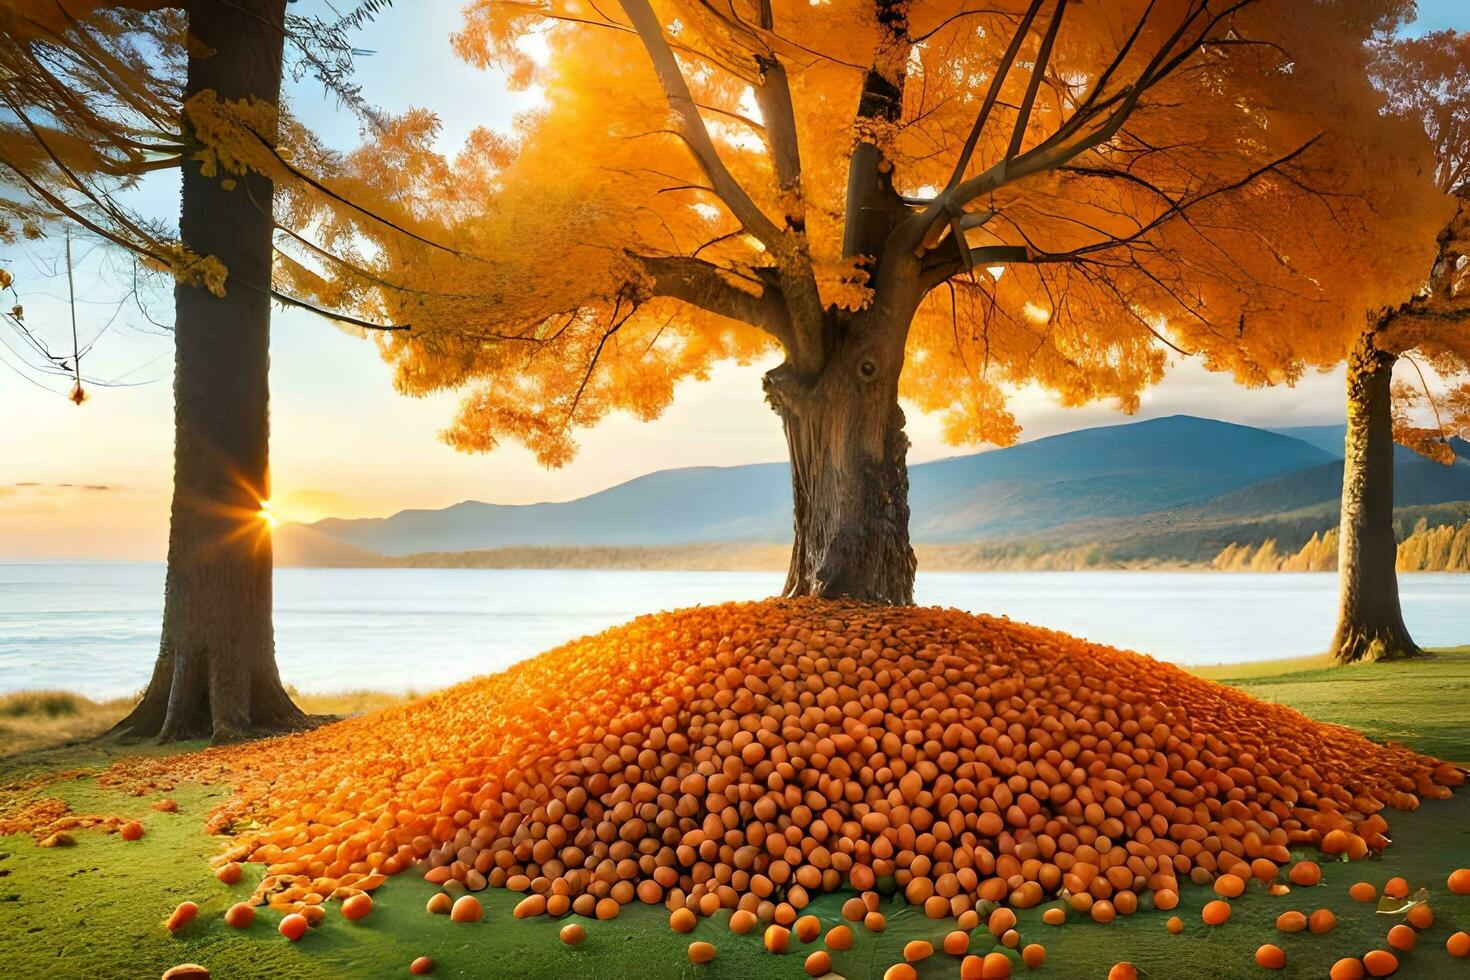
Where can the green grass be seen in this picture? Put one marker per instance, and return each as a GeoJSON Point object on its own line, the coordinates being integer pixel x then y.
{"type": "Point", "coordinates": [96, 909]}
{"type": "Point", "coordinates": [1424, 704]}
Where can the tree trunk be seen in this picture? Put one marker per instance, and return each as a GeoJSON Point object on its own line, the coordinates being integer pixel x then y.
{"type": "Point", "coordinates": [1370, 624]}
{"type": "Point", "coordinates": [216, 672]}
{"type": "Point", "coordinates": [849, 479]}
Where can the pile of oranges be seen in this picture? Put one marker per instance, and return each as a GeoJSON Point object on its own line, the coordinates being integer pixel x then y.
{"type": "Point", "coordinates": [750, 756]}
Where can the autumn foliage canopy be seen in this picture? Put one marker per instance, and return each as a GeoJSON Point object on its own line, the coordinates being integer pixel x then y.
{"type": "Point", "coordinates": [1142, 176]}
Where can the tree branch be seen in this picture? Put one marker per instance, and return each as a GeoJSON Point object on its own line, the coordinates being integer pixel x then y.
{"type": "Point", "coordinates": [692, 127]}
{"type": "Point", "coordinates": [699, 283]}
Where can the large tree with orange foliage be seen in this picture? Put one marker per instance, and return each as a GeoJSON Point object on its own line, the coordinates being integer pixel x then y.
{"type": "Point", "coordinates": [929, 200]}
{"type": "Point", "coordinates": [1427, 81]}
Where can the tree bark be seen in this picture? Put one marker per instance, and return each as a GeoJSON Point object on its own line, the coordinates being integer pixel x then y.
{"type": "Point", "coordinates": [216, 673]}
{"type": "Point", "coordinates": [849, 478]}
{"type": "Point", "coordinates": [1370, 623]}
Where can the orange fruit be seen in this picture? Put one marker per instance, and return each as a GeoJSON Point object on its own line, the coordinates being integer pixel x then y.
{"type": "Point", "coordinates": [874, 922]}
{"type": "Point", "coordinates": [354, 907]}
{"type": "Point", "coordinates": [701, 952]}
{"type": "Point", "coordinates": [182, 916]}
{"type": "Point", "coordinates": [229, 873]}
{"type": "Point", "coordinates": [1458, 944]}
{"type": "Point", "coordinates": [132, 830]}
{"type": "Point", "coordinates": [1305, 873]}
{"type": "Point", "coordinates": [839, 938]}
{"type": "Point", "coordinates": [1380, 963]}
{"type": "Point", "coordinates": [900, 971]}
{"type": "Point", "coordinates": [1321, 921]}
{"type": "Point", "coordinates": [916, 950]}
{"type": "Point", "coordinates": [682, 920]}
{"type": "Point", "coordinates": [995, 966]}
{"type": "Point", "coordinates": [1347, 968]}
{"type": "Point", "coordinates": [1229, 886]}
{"type": "Point", "coordinates": [421, 966]}
{"type": "Point", "coordinates": [1216, 913]}
{"type": "Point", "coordinates": [956, 943]}
{"type": "Point", "coordinates": [1123, 971]}
{"type": "Point", "coordinates": [1271, 957]}
{"type": "Point", "coordinates": [572, 934]}
{"type": "Point", "coordinates": [1459, 881]}
{"type": "Point", "coordinates": [1054, 916]}
{"type": "Point", "coordinates": [777, 938]}
{"type": "Point", "coordinates": [1175, 924]}
{"type": "Point", "coordinates": [440, 904]}
{"type": "Point", "coordinates": [807, 928]}
{"type": "Point", "coordinates": [293, 926]}
{"type": "Point", "coordinates": [1402, 938]}
{"type": "Point", "coordinates": [1396, 888]}
{"type": "Point", "coordinates": [467, 908]}
{"type": "Point", "coordinates": [1363, 892]}
{"type": "Point", "coordinates": [1421, 916]}
{"type": "Point", "coordinates": [1291, 922]}
{"type": "Point", "coordinates": [818, 963]}
{"type": "Point", "coordinates": [240, 915]}
{"type": "Point", "coordinates": [1033, 956]}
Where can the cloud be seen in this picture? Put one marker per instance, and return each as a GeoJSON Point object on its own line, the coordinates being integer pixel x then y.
{"type": "Point", "coordinates": [34, 485]}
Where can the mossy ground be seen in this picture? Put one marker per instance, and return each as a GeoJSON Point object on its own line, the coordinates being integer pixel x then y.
{"type": "Point", "coordinates": [96, 909]}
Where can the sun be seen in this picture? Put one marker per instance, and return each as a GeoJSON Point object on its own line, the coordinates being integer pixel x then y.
{"type": "Point", "coordinates": [268, 515]}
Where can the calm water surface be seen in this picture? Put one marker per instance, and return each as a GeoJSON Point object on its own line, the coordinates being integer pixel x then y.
{"type": "Point", "coordinates": [93, 628]}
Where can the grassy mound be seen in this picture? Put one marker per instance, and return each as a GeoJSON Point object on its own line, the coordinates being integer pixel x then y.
{"type": "Point", "coordinates": [756, 755]}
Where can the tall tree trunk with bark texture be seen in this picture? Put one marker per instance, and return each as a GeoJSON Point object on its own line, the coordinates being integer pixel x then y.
{"type": "Point", "coordinates": [1370, 623]}
{"type": "Point", "coordinates": [849, 478]}
{"type": "Point", "coordinates": [216, 673]}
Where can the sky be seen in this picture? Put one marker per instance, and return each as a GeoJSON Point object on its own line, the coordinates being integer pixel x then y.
{"type": "Point", "coordinates": [93, 481]}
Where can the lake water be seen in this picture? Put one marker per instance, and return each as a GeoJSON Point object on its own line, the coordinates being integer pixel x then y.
{"type": "Point", "coordinates": [93, 628]}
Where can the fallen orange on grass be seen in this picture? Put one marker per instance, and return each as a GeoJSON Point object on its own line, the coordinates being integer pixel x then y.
{"type": "Point", "coordinates": [1291, 922]}
{"type": "Point", "coordinates": [421, 966]}
{"type": "Point", "coordinates": [293, 926]}
{"type": "Point", "coordinates": [701, 952]}
{"type": "Point", "coordinates": [1458, 944]}
{"type": "Point", "coordinates": [1459, 881]}
{"type": "Point", "coordinates": [1380, 963]}
{"type": "Point", "coordinates": [1402, 938]}
{"type": "Point", "coordinates": [355, 907]}
{"type": "Point", "coordinates": [1271, 956]}
{"type": "Point", "coordinates": [1362, 892]}
{"type": "Point", "coordinates": [240, 915]}
{"type": "Point", "coordinates": [467, 908]}
{"type": "Point", "coordinates": [182, 916]}
{"type": "Point", "coordinates": [1305, 873]}
{"type": "Point", "coordinates": [818, 963]}
{"type": "Point", "coordinates": [1215, 913]}
{"type": "Point", "coordinates": [839, 938]}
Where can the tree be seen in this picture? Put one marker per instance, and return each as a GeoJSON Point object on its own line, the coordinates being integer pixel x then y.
{"type": "Point", "coordinates": [1427, 82]}
{"type": "Point", "coordinates": [932, 200]}
{"type": "Point", "coordinates": [95, 102]}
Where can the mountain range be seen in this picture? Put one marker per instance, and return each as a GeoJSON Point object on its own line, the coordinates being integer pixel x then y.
{"type": "Point", "coordinates": [1167, 490]}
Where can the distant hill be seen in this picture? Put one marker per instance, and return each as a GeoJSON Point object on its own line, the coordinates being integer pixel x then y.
{"type": "Point", "coordinates": [1172, 490]}
{"type": "Point", "coordinates": [1113, 471]}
